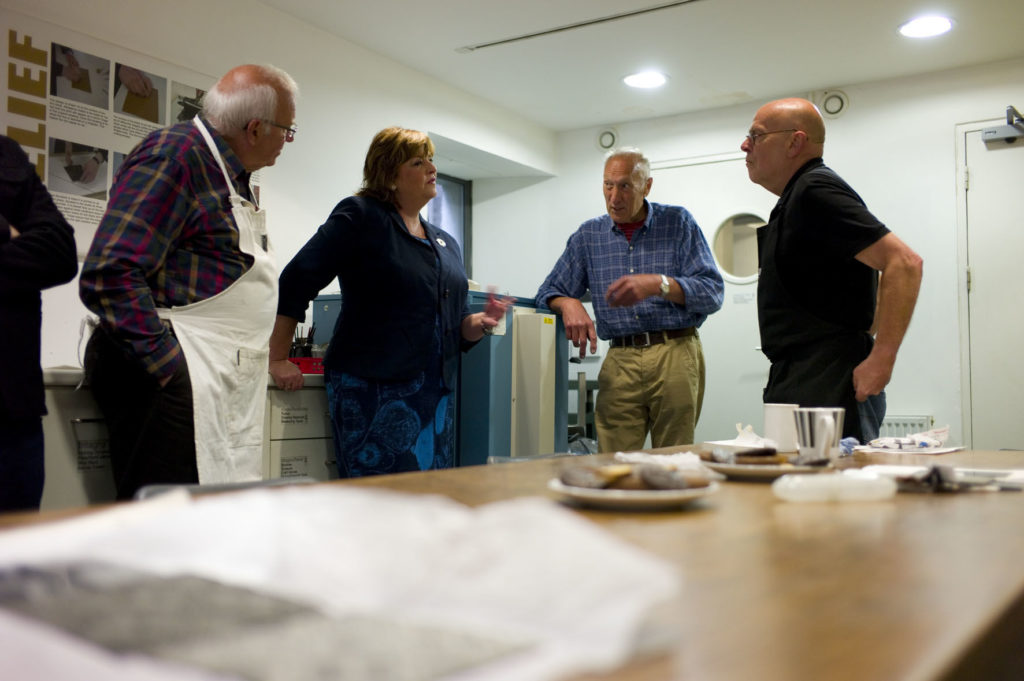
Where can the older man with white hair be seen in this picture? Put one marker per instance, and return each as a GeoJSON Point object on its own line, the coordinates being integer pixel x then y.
{"type": "Point", "coordinates": [653, 282]}
{"type": "Point", "coordinates": [184, 283]}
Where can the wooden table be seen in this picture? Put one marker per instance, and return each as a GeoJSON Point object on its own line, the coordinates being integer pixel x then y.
{"type": "Point", "coordinates": [924, 586]}
{"type": "Point", "coordinates": [920, 587]}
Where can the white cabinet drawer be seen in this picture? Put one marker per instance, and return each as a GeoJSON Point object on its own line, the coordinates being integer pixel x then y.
{"type": "Point", "coordinates": [77, 450]}
{"type": "Point", "coordinates": [299, 414]}
{"type": "Point", "coordinates": [313, 458]}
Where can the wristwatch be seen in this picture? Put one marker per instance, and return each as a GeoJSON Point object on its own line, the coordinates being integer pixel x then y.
{"type": "Point", "coordinates": [664, 286]}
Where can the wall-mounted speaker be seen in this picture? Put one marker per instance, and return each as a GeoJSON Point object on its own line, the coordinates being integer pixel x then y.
{"type": "Point", "coordinates": [607, 139]}
{"type": "Point", "coordinates": [833, 103]}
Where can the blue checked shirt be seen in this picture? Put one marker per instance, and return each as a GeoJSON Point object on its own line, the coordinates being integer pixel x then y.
{"type": "Point", "coordinates": [669, 242]}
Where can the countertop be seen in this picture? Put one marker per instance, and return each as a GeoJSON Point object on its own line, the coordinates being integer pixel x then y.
{"type": "Point", "coordinates": [72, 376]}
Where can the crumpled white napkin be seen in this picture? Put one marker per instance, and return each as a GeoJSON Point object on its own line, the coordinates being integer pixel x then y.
{"type": "Point", "coordinates": [746, 437]}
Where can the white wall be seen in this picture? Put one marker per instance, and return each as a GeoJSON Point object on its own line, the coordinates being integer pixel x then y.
{"type": "Point", "coordinates": [346, 95]}
{"type": "Point", "coordinates": [895, 146]}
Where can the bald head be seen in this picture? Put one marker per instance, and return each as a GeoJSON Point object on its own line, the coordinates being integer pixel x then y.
{"type": "Point", "coordinates": [242, 78]}
{"type": "Point", "coordinates": [784, 135]}
{"type": "Point", "coordinates": [796, 113]}
{"type": "Point", "coordinates": [250, 75]}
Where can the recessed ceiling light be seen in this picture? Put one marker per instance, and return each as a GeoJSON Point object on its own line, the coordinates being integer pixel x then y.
{"type": "Point", "coordinates": [645, 79]}
{"type": "Point", "coordinates": [926, 27]}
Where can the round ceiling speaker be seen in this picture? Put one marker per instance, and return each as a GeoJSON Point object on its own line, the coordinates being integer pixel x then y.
{"type": "Point", "coordinates": [834, 103]}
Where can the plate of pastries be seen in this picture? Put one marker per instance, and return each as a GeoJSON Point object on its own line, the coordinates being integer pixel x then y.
{"type": "Point", "coordinates": [628, 486]}
{"type": "Point", "coordinates": [760, 463]}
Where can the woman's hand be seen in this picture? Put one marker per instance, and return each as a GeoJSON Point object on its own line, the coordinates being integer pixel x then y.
{"type": "Point", "coordinates": [478, 324]}
{"type": "Point", "coordinates": [495, 310]}
{"type": "Point", "coordinates": [287, 375]}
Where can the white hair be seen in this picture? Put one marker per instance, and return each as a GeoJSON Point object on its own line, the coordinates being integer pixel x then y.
{"type": "Point", "coordinates": [231, 109]}
{"type": "Point", "coordinates": [641, 166]}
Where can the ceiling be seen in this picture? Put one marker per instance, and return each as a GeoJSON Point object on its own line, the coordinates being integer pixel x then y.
{"type": "Point", "coordinates": [715, 52]}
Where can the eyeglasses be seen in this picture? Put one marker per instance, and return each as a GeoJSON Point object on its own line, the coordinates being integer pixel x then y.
{"type": "Point", "coordinates": [752, 137]}
{"type": "Point", "coordinates": [289, 133]}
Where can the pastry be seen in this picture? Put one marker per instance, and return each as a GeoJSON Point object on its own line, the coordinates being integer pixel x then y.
{"type": "Point", "coordinates": [643, 477]}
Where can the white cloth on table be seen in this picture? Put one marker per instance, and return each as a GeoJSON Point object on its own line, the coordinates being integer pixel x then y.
{"type": "Point", "coordinates": [567, 596]}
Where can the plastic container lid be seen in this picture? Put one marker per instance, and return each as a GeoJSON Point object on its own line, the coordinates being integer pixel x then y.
{"type": "Point", "coordinates": [852, 485]}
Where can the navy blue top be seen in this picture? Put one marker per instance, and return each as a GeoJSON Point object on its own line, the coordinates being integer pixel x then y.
{"type": "Point", "coordinates": [394, 289]}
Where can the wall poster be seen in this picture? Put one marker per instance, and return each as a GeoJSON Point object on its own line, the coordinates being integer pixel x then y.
{"type": "Point", "coordinates": [78, 106]}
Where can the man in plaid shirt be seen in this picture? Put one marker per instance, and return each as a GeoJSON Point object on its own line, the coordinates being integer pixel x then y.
{"type": "Point", "coordinates": [653, 281]}
{"type": "Point", "coordinates": [181, 232]}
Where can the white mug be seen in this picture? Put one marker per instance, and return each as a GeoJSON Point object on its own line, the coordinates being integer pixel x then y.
{"type": "Point", "coordinates": [818, 431]}
{"type": "Point", "coordinates": [779, 425]}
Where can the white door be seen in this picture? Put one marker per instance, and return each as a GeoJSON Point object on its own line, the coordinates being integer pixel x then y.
{"type": "Point", "coordinates": [714, 190]}
{"type": "Point", "coordinates": [995, 246]}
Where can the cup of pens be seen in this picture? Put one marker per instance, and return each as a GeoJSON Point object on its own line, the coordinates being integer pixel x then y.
{"type": "Point", "coordinates": [302, 342]}
{"type": "Point", "coordinates": [304, 354]}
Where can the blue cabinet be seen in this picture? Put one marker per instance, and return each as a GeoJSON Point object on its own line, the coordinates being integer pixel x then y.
{"type": "Point", "coordinates": [513, 387]}
{"type": "Point", "coordinates": [326, 308]}
{"type": "Point", "coordinates": [512, 397]}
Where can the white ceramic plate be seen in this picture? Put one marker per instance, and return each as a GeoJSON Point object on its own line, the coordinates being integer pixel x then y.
{"type": "Point", "coordinates": [731, 446]}
{"type": "Point", "coordinates": [631, 499]}
{"type": "Point", "coordinates": [761, 471]}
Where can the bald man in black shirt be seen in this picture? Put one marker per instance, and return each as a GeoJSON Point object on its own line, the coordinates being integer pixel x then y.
{"type": "Point", "coordinates": [837, 289]}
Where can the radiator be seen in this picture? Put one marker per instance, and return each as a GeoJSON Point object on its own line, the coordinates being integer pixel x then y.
{"type": "Point", "coordinates": [899, 426]}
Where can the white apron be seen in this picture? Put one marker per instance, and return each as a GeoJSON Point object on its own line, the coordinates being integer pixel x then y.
{"type": "Point", "coordinates": [225, 340]}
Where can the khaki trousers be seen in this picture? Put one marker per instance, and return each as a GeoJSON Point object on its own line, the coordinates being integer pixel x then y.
{"type": "Point", "coordinates": [659, 389]}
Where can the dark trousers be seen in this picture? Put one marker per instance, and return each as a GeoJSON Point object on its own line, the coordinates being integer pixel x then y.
{"type": "Point", "coordinates": [821, 375]}
{"type": "Point", "coordinates": [21, 465]}
{"type": "Point", "coordinates": [152, 435]}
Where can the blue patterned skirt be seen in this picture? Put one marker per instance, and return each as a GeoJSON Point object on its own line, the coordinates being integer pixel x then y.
{"type": "Point", "coordinates": [391, 426]}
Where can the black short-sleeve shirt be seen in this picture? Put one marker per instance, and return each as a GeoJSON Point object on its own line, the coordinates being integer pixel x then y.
{"type": "Point", "coordinates": [822, 224]}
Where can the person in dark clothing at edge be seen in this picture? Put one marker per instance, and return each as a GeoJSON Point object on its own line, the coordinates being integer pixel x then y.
{"type": "Point", "coordinates": [37, 251]}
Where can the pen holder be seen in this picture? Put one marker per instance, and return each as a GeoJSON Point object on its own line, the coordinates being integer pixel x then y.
{"type": "Point", "coordinates": [301, 349]}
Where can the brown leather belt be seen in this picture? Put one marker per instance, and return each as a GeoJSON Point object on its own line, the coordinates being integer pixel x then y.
{"type": "Point", "coordinates": [649, 338]}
